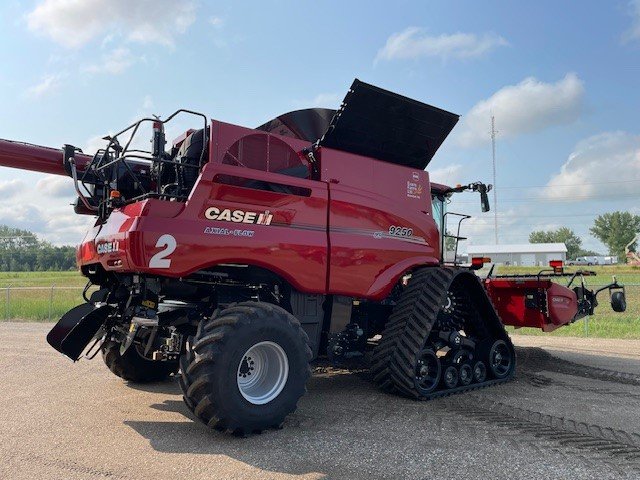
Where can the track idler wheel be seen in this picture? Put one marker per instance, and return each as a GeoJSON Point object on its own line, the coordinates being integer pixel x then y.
{"type": "Point", "coordinates": [450, 377]}
{"type": "Point", "coordinates": [500, 359]}
{"type": "Point", "coordinates": [428, 372]}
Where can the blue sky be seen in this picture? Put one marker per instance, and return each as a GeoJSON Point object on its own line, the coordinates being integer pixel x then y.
{"type": "Point", "coordinates": [561, 78]}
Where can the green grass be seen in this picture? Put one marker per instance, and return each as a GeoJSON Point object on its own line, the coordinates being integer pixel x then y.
{"type": "Point", "coordinates": [42, 279]}
{"type": "Point", "coordinates": [44, 303]}
{"type": "Point", "coordinates": [35, 305]}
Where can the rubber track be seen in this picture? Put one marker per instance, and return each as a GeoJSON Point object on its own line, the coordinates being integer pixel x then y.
{"type": "Point", "coordinates": [408, 329]}
{"type": "Point", "coordinates": [617, 444]}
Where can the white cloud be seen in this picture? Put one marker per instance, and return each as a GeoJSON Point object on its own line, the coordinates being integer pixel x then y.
{"type": "Point", "coordinates": [93, 144]}
{"type": "Point", "coordinates": [56, 186]}
{"type": "Point", "coordinates": [633, 33]}
{"type": "Point", "coordinates": [605, 166]}
{"type": "Point", "coordinates": [22, 215]}
{"type": "Point", "coordinates": [322, 100]}
{"type": "Point", "coordinates": [480, 228]}
{"type": "Point", "coordinates": [73, 23]}
{"type": "Point", "coordinates": [414, 42]}
{"type": "Point", "coordinates": [56, 222]}
{"type": "Point", "coordinates": [114, 62]}
{"type": "Point", "coordinates": [8, 188]}
{"type": "Point", "coordinates": [527, 107]}
{"type": "Point", "coordinates": [217, 22]}
{"type": "Point", "coordinates": [449, 175]}
{"type": "Point", "coordinates": [48, 84]}
{"type": "Point", "coordinates": [328, 100]}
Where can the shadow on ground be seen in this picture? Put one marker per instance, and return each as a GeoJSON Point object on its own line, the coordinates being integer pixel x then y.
{"type": "Point", "coordinates": [346, 421]}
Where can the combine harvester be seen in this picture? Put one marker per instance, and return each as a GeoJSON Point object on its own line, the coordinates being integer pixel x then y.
{"type": "Point", "coordinates": [238, 256]}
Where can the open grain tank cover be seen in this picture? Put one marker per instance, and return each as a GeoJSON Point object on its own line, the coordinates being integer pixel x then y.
{"type": "Point", "coordinates": [384, 125]}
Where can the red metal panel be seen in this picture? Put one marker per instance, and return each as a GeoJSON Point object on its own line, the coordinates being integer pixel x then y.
{"type": "Point", "coordinates": [509, 295]}
{"type": "Point", "coordinates": [380, 220]}
{"type": "Point", "coordinates": [562, 304]}
{"type": "Point", "coordinates": [371, 203]}
{"type": "Point", "coordinates": [293, 245]}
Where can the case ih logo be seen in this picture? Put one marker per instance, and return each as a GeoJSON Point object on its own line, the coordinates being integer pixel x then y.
{"type": "Point", "coordinates": [238, 216]}
{"type": "Point", "coordinates": [107, 247]}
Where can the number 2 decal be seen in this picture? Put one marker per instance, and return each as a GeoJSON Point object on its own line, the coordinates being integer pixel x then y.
{"type": "Point", "coordinates": [160, 260]}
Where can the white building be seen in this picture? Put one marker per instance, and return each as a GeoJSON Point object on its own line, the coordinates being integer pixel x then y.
{"type": "Point", "coordinates": [527, 254]}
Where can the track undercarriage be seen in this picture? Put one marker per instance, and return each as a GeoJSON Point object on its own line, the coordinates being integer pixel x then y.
{"type": "Point", "coordinates": [443, 337]}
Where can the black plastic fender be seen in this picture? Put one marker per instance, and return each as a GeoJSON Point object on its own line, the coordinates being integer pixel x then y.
{"type": "Point", "coordinates": [73, 332]}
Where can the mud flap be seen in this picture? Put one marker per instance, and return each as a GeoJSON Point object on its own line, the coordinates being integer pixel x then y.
{"type": "Point", "coordinates": [73, 332]}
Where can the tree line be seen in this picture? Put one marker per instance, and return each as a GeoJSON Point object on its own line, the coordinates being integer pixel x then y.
{"type": "Point", "coordinates": [615, 230]}
{"type": "Point", "coordinates": [22, 251]}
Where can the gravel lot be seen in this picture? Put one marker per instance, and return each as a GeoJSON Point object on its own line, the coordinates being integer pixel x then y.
{"type": "Point", "coordinates": [572, 412]}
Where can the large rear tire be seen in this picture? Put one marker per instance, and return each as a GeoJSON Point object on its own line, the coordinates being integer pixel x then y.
{"type": "Point", "coordinates": [246, 368]}
{"type": "Point", "coordinates": [134, 367]}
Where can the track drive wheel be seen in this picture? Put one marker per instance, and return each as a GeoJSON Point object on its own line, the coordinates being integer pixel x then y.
{"type": "Point", "coordinates": [133, 366]}
{"type": "Point", "coordinates": [246, 368]}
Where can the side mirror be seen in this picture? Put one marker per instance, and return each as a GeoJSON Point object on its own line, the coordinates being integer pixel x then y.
{"type": "Point", "coordinates": [484, 202]}
{"type": "Point", "coordinates": [484, 198]}
{"type": "Point", "coordinates": [618, 301]}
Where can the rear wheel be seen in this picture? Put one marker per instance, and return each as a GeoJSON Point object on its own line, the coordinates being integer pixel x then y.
{"type": "Point", "coordinates": [133, 365]}
{"type": "Point", "coordinates": [246, 368]}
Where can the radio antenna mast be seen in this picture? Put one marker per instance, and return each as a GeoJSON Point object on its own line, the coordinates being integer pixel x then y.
{"type": "Point", "coordinates": [495, 195]}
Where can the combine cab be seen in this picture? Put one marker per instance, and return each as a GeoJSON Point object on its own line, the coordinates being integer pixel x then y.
{"type": "Point", "coordinates": [236, 256]}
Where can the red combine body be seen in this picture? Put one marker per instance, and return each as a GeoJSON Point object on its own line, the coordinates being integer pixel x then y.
{"type": "Point", "coordinates": [239, 255]}
{"type": "Point", "coordinates": [284, 223]}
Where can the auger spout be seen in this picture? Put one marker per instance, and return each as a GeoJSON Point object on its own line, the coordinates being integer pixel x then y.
{"type": "Point", "coordinates": [26, 156]}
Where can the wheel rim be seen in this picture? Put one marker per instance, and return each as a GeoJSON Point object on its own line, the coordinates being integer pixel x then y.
{"type": "Point", "coordinates": [427, 371]}
{"type": "Point", "coordinates": [479, 372]}
{"type": "Point", "coordinates": [466, 374]}
{"type": "Point", "coordinates": [262, 372]}
{"type": "Point", "coordinates": [450, 377]}
{"type": "Point", "coordinates": [500, 359]}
